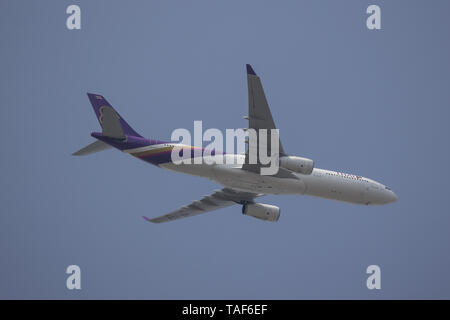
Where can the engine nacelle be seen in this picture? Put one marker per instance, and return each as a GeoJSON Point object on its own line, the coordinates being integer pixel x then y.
{"type": "Point", "coordinates": [262, 211]}
{"type": "Point", "coordinates": [297, 164]}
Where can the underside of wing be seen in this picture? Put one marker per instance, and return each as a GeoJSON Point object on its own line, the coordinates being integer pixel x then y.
{"type": "Point", "coordinates": [259, 117]}
{"type": "Point", "coordinates": [219, 199]}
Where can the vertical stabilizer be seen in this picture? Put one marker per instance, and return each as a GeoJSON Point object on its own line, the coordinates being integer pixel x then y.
{"type": "Point", "coordinates": [113, 125]}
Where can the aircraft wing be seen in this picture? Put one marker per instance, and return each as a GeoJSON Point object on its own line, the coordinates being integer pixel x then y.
{"type": "Point", "coordinates": [259, 115]}
{"type": "Point", "coordinates": [219, 199]}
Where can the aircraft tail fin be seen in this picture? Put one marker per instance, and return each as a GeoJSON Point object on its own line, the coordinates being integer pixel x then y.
{"type": "Point", "coordinates": [113, 125]}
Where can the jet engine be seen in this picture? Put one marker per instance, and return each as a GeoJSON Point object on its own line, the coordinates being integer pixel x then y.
{"type": "Point", "coordinates": [261, 211]}
{"type": "Point", "coordinates": [297, 164]}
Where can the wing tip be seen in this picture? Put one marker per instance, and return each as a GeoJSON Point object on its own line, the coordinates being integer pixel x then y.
{"type": "Point", "coordinates": [147, 219]}
{"type": "Point", "coordinates": [250, 70]}
{"type": "Point", "coordinates": [91, 94]}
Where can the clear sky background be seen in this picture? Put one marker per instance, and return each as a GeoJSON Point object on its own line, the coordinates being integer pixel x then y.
{"type": "Point", "coordinates": [373, 103]}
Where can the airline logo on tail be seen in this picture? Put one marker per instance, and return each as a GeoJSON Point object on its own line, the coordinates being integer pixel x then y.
{"type": "Point", "coordinates": [110, 110]}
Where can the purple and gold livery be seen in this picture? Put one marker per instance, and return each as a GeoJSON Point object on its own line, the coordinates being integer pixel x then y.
{"type": "Point", "coordinates": [126, 139]}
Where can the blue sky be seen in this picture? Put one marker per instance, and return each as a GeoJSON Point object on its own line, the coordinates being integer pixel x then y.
{"type": "Point", "coordinates": [373, 103]}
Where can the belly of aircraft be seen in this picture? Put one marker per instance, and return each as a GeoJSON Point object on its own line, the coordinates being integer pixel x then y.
{"type": "Point", "coordinates": [239, 179]}
{"type": "Point", "coordinates": [236, 178]}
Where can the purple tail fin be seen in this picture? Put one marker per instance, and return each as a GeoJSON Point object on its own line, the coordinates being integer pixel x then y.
{"type": "Point", "coordinates": [106, 116]}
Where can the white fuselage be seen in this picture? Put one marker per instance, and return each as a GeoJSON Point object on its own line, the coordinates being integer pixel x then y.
{"type": "Point", "coordinates": [320, 183]}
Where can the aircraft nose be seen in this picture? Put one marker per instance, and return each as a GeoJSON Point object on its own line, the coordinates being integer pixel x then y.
{"type": "Point", "coordinates": [391, 197]}
{"type": "Point", "coordinates": [379, 194]}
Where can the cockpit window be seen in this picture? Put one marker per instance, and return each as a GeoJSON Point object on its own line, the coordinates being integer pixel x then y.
{"type": "Point", "coordinates": [387, 188]}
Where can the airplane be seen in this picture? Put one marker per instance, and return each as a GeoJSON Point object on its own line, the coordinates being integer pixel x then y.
{"type": "Point", "coordinates": [242, 182]}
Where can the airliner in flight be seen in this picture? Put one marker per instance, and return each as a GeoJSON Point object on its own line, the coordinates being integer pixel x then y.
{"type": "Point", "coordinates": [242, 182]}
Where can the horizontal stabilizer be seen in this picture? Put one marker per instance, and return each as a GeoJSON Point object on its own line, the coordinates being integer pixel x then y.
{"type": "Point", "coordinates": [92, 148]}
